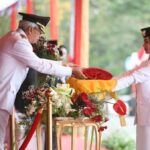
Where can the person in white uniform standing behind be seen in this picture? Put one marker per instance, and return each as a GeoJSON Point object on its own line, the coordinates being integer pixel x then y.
{"type": "Point", "coordinates": [16, 56]}
{"type": "Point", "coordinates": [140, 76]}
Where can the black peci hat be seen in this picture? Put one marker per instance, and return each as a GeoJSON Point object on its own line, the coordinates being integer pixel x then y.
{"type": "Point", "coordinates": [39, 20]}
{"type": "Point", "coordinates": [55, 42]}
{"type": "Point", "coordinates": [145, 32]}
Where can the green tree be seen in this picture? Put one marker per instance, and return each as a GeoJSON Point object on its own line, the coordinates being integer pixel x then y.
{"type": "Point", "coordinates": [115, 31]}
{"type": "Point", "coordinates": [5, 24]}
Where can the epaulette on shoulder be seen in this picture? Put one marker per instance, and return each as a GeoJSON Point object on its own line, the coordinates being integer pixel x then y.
{"type": "Point", "coordinates": [23, 36]}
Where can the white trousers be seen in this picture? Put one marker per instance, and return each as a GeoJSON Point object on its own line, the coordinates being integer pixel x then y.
{"type": "Point", "coordinates": [143, 137]}
{"type": "Point", "coordinates": [4, 118]}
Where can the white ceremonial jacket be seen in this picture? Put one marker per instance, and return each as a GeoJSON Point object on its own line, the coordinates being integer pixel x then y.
{"type": "Point", "coordinates": [16, 56]}
{"type": "Point", "coordinates": [141, 77]}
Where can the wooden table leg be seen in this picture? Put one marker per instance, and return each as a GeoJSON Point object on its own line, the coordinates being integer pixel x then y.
{"type": "Point", "coordinates": [92, 135]}
{"type": "Point", "coordinates": [86, 138]}
{"type": "Point", "coordinates": [59, 129]}
{"type": "Point", "coordinates": [49, 125]}
{"type": "Point", "coordinates": [74, 137]}
{"type": "Point", "coordinates": [97, 135]}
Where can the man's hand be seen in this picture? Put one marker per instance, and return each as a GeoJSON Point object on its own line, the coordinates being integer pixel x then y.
{"type": "Point", "coordinates": [77, 73]}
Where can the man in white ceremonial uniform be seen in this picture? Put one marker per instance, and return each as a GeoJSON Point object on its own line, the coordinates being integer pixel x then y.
{"type": "Point", "coordinates": [16, 56]}
{"type": "Point", "coordinates": [141, 77]}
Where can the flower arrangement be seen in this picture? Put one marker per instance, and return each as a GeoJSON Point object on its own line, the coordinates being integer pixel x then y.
{"type": "Point", "coordinates": [61, 100]}
{"type": "Point", "coordinates": [90, 106]}
{"type": "Point", "coordinates": [66, 103]}
{"type": "Point", "coordinates": [48, 49]}
{"type": "Point", "coordinates": [36, 98]}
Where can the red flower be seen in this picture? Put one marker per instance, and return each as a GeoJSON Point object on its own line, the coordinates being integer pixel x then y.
{"type": "Point", "coordinates": [93, 106]}
{"type": "Point", "coordinates": [97, 118]}
{"type": "Point", "coordinates": [51, 46]}
{"type": "Point", "coordinates": [102, 128]}
{"type": "Point", "coordinates": [84, 98]}
{"type": "Point", "coordinates": [97, 73]}
{"type": "Point", "coordinates": [87, 111]}
{"type": "Point", "coordinates": [120, 107]}
{"type": "Point", "coordinates": [74, 99]}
